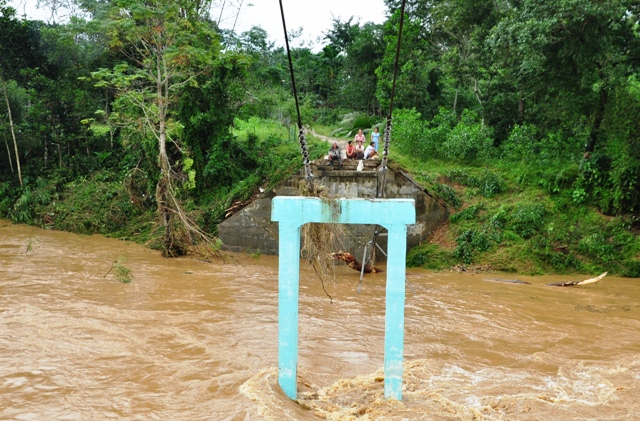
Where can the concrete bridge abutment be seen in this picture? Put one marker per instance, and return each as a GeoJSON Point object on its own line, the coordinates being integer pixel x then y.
{"type": "Point", "coordinates": [251, 229]}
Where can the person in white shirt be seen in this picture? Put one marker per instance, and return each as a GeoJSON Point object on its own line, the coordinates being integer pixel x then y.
{"type": "Point", "coordinates": [370, 152]}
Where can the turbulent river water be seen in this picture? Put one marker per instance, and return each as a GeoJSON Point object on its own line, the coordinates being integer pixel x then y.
{"type": "Point", "coordinates": [190, 340]}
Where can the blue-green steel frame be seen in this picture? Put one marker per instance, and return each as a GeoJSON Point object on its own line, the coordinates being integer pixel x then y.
{"type": "Point", "coordinates": [292, 213]}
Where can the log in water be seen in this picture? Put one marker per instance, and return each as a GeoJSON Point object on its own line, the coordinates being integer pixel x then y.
{"type": "Point", "coordinates": [188, 340]}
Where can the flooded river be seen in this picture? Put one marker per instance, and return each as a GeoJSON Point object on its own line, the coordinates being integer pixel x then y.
{"type": "Point", "coordinates": [189, 340]}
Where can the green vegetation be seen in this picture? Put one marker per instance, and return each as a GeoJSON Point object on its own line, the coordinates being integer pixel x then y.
{"type": "Point", "coordinates": [30, 244]}
{"type": "Point", "coordinates": [122, 273]}
{"type": "Point", "coordinates": [523, 226]}
{"type": "Point", "coordinates": [146, 121]}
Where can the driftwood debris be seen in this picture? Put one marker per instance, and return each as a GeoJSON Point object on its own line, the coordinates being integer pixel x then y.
{"type": "Point", "coordinates": [507, 281]}
{"type": "Point", "coordinates": [351, 261]}
{"type": "Point", "coordinates": [578, 283]}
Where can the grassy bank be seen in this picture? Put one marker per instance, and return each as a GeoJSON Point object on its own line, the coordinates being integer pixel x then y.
{"type": "Point", "coordinates": [518, 217]}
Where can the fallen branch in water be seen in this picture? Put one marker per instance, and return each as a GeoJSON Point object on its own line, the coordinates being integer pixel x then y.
{"type": "Point", "coordinates": [507, 281]}
{"type": "Point", "coordinates": [123, 273]}
{"type": "Point", "coordinates": [579, 283]}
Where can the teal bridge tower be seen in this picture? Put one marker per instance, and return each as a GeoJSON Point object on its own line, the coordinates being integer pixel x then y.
{"type": "Point", "coordinates": [292, 213]}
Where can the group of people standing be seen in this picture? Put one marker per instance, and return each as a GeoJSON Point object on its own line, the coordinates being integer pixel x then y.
{"type": "Point", "coordinates": [357, 151]}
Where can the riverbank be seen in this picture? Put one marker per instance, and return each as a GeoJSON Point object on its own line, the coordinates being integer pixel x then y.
{"type": "Point", "coordinates": [508, 217]}
{"type": "Point", "coordinates": [516, 218]}
{"type": "Point", "coordinates": [505, 218]}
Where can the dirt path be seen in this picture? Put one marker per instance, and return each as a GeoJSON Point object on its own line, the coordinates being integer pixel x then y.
{"type": "Point", "coordinates": [341, 142]}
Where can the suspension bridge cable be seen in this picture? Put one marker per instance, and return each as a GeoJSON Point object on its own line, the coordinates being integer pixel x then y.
{"type": "Point", "coordinates": [301, 138]}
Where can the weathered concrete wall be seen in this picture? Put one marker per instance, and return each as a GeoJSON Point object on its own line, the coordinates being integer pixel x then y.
{"type": "Point", "coordinates": [251, 228]}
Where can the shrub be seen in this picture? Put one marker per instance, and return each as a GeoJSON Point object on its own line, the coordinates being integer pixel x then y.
{"type": "Point", "coordinates": [468, 141]}
{"type": "Point", "coordinates": [469, 243]}
{"type": "Point", "coordinates": [444, 137]}
{"type": "Point", "coordinates": [437, 133]}
{"type": "Point", "coordinates": [511, 237]}
{"type": "Point", "coordinates": [564, 178]}
{"type": "Point", "coordinates": [622, 126]}
{"type": "Point", "coordinates": [631, 268]}
{"type": "Point", "coordinates": [519, 144]}
{"type": "Point", "coordinates": [94, 205]}
{"type": "Point", "coordinates": [561, 262]}
{"type": "Point", "coordinates": [499, 219]}
{"type": "Point", "coordinates": [469, 213]}
{"type": "Point", "coordinates": [352, 122]}
{"type": "Point", "coordinates": [448, 194]}
{"type": "Point", "coordinates": [486, 181]}
{"type": "Point", "coordinates": [597, 246]}
{"type": "Point", "coordinates": [527, 219]}
{"type": "Point", "coordinates": [525, 143]}
{"type": "Point", "coordinates": [7, 198]}
{"type": "Point", "coordinates": [24, 209]}
{"type": "Point", "coordinates": [429, 256]}
{"type": "Point", "coordinates": [408, 131]}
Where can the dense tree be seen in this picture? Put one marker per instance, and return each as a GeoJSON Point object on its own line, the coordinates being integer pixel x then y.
{"type": "Point", "coordinates": [420, 77]}
{"type": "Point", "coordinates": [553, 83]}
{"type": "Point", "coordinates": [18, 51]}
{"type": "Point", "coordinates": [354, 53]}
{"type": "Point", "coordinates": [564, 59]}
{"type": "Point", "coordinates": [208, 110]}
{"type": "Point", "coordinates": [166, 45]}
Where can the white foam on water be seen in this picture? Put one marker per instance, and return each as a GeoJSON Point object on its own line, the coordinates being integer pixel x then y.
{"type": "Point", "coordinates": [449, 391]}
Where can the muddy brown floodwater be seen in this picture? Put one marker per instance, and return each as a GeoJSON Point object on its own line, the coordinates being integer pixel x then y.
{"type": "Point", "coordinates": [189, 340]}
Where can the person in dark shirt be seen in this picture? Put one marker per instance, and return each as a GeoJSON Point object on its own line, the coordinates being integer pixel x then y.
{"type": "Point", "coordinates": [335, 154]}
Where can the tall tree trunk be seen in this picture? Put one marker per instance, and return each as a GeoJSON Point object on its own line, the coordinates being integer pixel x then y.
{"type": "Point", "coordinates": [46, 152]}
{"type": "Point", "coordinates": [13, 132]}
{"type": "Point", "coordinates": [476, 91]}
{"type": "Point", "coordinates": [521, 105]}
{"type": "Point", "coordinates": [597, 122]}
{"type": "Point", "coordinates": [9, 154]}
{"type": "Point", "coordinates": [455, 103]}
{"type": "Point", "coordinates": [106, 113]}
{"type": "Point", "coordinates": [163, 188]}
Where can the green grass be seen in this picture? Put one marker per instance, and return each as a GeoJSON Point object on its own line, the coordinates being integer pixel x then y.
{"type": "Point", "coordinates": [277, 156]}
{"type": "Point", "coordinates": [515, 218]}
{"type": "Point", "coordinates": [259, 128]}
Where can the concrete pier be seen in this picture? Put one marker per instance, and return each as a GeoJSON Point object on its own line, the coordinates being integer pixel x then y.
{"type": "Point", "coordinates": [292, 213]}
